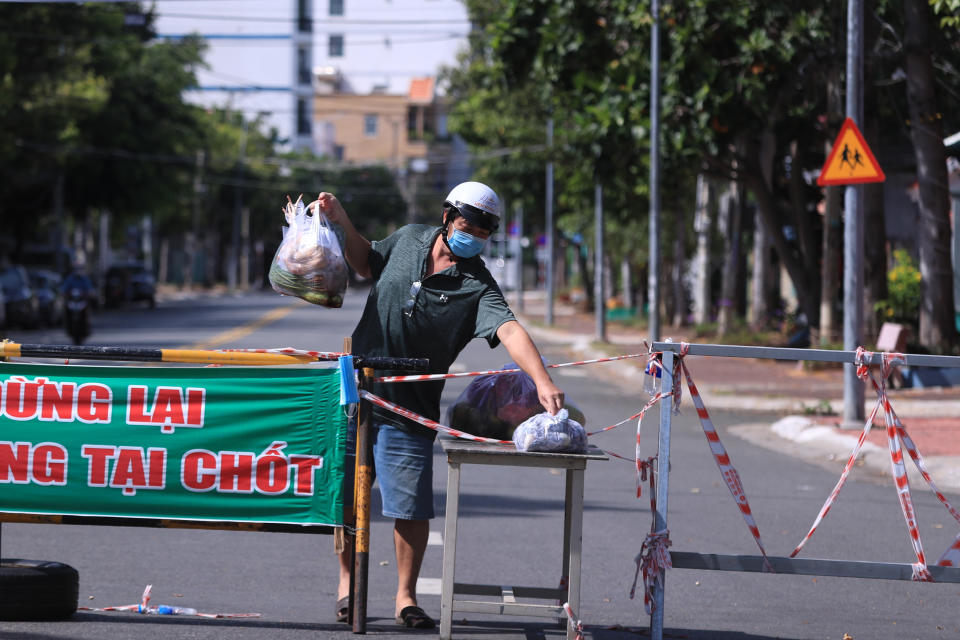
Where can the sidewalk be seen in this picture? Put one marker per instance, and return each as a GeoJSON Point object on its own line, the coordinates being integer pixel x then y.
{"type": "Point", "coordinates": [801, 395]}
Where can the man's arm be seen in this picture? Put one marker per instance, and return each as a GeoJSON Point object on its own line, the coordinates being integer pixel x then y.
{"type": "Point", "coordinates": [356, 248]}
{"type": "Point", "coordinates": [521, 348]}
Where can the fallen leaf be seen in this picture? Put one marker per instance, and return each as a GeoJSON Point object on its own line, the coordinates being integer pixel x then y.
{"type": "Point", "coordinates": [695, 490]}
{"type": "Point", "coordinates": [89, 597]}
{"type": "Point", "coordinates": [847, 636]}
{"type": "Point", "coordinates": [384, 563]}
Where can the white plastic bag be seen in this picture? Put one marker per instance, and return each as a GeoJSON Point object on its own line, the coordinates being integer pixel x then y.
{"type": "Point", "coordinates": [551, 434]}
{"type": "Point", "coordinates": [309, 263]}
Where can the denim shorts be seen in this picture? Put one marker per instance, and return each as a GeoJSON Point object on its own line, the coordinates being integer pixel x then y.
{"type": "Point", "coordinates": [403, 464]}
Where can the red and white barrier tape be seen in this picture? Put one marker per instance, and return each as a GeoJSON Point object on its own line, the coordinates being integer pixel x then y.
{"type": "Point", "coordinates": [436, 426]}
{"type": "Point", "coordinates": [727, 470]}
{"type": "Point", "coordinates": [289, 351]}
{"type": "Point", "coordinates": [825, 509]}
{"type": "Point", "coordinates": [427, 422]}
{"type": "Point", "coordinates": [143, 607]}
{"type": "Point", "coordinates": [652, 561]}
{"type": "Point", "coordinates": [573, 621]}
{"type": "Point", "coordinates": [950, 557]}
{"type": "Point", "coordinates": [447, 376]}
{"type": "Point", "coordinates": [895, 431]}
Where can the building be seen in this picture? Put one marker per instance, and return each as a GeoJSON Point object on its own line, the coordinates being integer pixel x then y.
{"type": "Point", "coordinates": [262, 53]}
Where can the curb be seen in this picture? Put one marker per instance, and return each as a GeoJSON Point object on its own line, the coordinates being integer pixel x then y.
{"type": "Point", "coordinates": [824, 440]}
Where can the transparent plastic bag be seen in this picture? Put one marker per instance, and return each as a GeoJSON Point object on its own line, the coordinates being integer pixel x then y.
{"type": "Point", "coordinates": [309, 263]}
{"type": "Point", "coordinates": [492, 406]}
{"type": "Point", "coordinates": [551, 434]}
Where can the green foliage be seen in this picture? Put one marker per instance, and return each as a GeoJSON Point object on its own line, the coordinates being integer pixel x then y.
{"type": "Point", "coordinates": [904, 285]}
{"type": "Point", "coordinates": [949, 12]}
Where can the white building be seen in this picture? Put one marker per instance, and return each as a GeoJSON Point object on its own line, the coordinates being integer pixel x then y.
{"type": "Point", "coordinates": [262, 53]}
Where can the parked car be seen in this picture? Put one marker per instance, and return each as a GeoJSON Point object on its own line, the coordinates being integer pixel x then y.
{"type": "Point", "coordinates": [46, 286]}
{"type": "Point", "coordinates": [21, 303]}
{"type": "Point", "coordinates": [129, 282]}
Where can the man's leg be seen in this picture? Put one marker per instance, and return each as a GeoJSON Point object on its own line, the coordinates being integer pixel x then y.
{"type": "Point", "coordinates": [410, 540]}
{"type": "Point", "coordinates": [343, 588]}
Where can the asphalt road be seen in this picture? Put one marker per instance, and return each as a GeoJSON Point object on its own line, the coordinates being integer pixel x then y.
{"type": "Point", "coordinates": [510, 530]}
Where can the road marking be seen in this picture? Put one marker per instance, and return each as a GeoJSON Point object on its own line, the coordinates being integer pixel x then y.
{"type": "Point", "coordinates": [243, 330]}
{"type": "Point", "coordinates": [435, 538]}
{"type": "Point", "coordinates": [428, 586]}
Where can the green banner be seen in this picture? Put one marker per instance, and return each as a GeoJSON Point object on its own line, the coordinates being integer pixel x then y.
{"type": "Point", "coordinates": [246, 444]}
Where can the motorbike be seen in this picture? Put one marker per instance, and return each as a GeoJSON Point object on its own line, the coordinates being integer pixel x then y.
{"type": "Point", "coordinates": [77, 314]}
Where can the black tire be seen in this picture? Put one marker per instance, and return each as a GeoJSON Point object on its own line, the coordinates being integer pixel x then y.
{"type": "Point", "coordinates": [37, 590]}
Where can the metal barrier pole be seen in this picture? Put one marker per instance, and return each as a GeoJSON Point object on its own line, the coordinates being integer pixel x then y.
{"type": "Point", "coordinates": [361, 544]}
{"type": "Point", "coordinates": [663, 486]}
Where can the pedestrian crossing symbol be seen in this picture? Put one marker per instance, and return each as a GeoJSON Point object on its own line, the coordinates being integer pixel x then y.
{"type": "Point", "coordinates": [850, 160]}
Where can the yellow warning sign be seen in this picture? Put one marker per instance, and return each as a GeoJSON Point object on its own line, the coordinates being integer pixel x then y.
{"type": "Point", "coordinates": [850, 161]}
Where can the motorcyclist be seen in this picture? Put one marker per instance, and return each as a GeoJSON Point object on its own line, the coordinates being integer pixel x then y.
{"type": "Point", "coordinates": [79, 292]}
{"type": "Point", "coordinates": [78, 279]}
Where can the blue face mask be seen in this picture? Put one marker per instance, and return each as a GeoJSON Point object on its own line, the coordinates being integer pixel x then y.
{"type": "Point", "coordinates": [465, 245]}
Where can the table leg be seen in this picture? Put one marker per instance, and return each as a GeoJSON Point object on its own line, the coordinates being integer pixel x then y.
{"type": "Point", "coordinates": [449, 549]}
{"type": "Point", "coordinates": [575, 529]}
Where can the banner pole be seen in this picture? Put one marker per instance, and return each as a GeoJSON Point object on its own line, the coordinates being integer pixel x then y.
{"type": "Point", "coordinates": [362, 492]}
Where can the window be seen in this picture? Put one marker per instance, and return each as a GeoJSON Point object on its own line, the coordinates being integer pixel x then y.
{"type": "Point", "coordinates": [335, 47]}
{"type": "Point", "coordinates": [303, 65]}
{"type": "Point", "coordinates": [336, 7]}
{"type": "Point", "coordinates": [304, 21]}
{"type": "Point", "coordinates": [370, 125]}
{"type": "Point", "coordinates": [303, 117]}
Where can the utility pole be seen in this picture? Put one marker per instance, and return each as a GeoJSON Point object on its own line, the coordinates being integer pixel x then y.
{"type": "Point", "coordinates": [234, 261]}
{"type": "Point", "coordinates": [654, 270]}
{"type": "Point", "coordinates": [599, 297]}
{"type": "Point", "coordinates": [518, 257]}
{"type": "Point", "coordinates": [548, 205]}
{"type": "Point", "coordinates": [853, 413]}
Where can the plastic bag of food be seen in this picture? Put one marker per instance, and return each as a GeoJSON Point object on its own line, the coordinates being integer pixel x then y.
{"type": "Point", "coordinates": [492, 406]}
{"type": "Point", "coordinates": [551, 434]}
{"type": "Point", "coordinates": [309, 264]}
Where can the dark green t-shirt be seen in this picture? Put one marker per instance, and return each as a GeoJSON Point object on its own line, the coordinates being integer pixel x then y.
{"type": "Point", "coordinates": [452, 307]}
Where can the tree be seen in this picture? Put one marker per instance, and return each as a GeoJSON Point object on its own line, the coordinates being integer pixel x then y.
{"type": "Point", "coordinates": [937, 326]}
{"type": "Point", "coordinates": [96, 110]}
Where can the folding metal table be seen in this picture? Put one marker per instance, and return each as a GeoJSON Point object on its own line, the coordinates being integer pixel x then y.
{"type": "Point", "coordinates": [461, 452]}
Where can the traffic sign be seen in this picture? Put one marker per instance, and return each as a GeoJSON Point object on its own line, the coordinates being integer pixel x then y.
{"type": "Point", "coordinates": [850, 160]}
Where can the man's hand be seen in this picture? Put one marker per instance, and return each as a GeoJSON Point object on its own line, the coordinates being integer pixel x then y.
{"type": "Point", "coordinates": [521, 348]}
{"type": "Point", "coordinates": [355, 247]}
{"type": "Point", "coordinates": [551, 397]}
{"type": "Point", "coordinates": [331, 207]}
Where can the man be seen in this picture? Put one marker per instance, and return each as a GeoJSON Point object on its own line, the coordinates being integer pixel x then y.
{"type": "Point", "coordinates": [430, 295]}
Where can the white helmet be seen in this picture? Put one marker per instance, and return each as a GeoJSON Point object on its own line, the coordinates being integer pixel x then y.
{"type": "Point", "coordinates": [476, 202]}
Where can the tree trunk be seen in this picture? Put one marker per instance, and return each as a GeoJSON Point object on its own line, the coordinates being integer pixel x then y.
{"type": "Point", "coordinates": [680, 301]}
{"type": "Point", "coordinates": [702, 224]}
{"type": "Point", "coordinates": [732, 276]}
{"type": "Point", "coordinates": [937, 328]}
{"type": "Point", "coordinates": [830, 288]}
{"type": "Point", "coordinates": [875, 259]}
{"type": "Point", "coordinates": [769, 219]}
{"type": "Point", "coordinates": [832, 261]}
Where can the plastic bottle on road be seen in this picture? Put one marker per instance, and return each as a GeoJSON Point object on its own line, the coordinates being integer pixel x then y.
{"type": "Point", "coordinates": [167, 610]}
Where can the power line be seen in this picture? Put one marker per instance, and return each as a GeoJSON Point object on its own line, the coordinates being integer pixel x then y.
{"type": "Point", "coordinates": [316, 21]}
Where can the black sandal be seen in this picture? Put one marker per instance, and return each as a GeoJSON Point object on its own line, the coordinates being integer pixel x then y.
{"type": "Point", "coordinates": [413, 617]}
{"type": "Point", "coordinates": [343, 609]}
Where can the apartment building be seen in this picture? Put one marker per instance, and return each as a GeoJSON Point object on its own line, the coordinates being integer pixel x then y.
{"type": "Point", "coordinates": [262, 53]}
